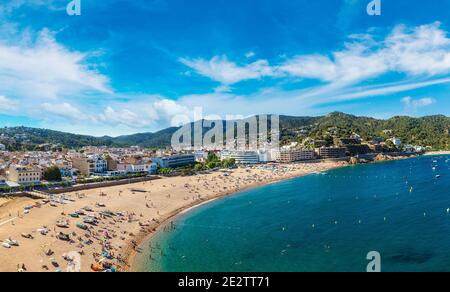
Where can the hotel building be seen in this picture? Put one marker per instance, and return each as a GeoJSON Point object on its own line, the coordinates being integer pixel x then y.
{"type": "Point", "coordinates": [293, 155]}
{"type": "Point", "coordinates": [25, 174]}
{"type": "Point", "coordinates": [331, 152]}
{"type": "Point", "coordinates": [88, 166]}
{"type": "Point", "coordinates": [175, 161]}
{"type": "Point", "coordinates": [241, 157]}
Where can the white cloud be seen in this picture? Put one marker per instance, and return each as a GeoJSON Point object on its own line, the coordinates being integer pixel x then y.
{"type": "Point", "coordinates": [149, 112]}
{"type": "Point", "coordinates": [250, 54]}
{"type": "Point", "coordinates": [64, 110]}
{"type": "Point", "coordinates": [417, 51]}
{"type": "Point", "coordinates": [414, 105]}
{"type": "Point", "coordinates": [7, 105]}
{"type": "Point", "coordinates": [220, 69]}
{"type": "Point", "coordinates": [44, 69]}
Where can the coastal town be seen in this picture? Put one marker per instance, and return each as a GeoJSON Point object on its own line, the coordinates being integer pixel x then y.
{"type": "Point", "coordinates": [54, 166]}
{"type": "Point", "coordinates": [90, 209]}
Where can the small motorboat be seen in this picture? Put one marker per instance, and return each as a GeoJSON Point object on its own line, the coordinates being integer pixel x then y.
{"type": "Point", "coordinates": [5, 245]}
{"type": "Point", "coordinates": [62, 223]}
{"type": "Point", "coordinates": [11, 242]}
{"type": "Point", "coordinates": [88, 209]}
{"type": "Point", "coordinates": [63, 236]}
{"type": "Point", "coordinates": [438, 176]}
{"type": "Point", "coordinates": [90, 220]}
{"type": "Point", "coordinates": [100, 205]}
{"type": "Point", "coordinates": [74, 215]}
{"type": "Point", "coordinates": [82, 226]}
{"type": "Point", "coordinates": [53, 204]}
{"type": "Point", "coordinates": [42, 231]}
{"type": "Point", "coordinates": [27, 236]}
{"type": "Point", "coordinates": [80, 213]}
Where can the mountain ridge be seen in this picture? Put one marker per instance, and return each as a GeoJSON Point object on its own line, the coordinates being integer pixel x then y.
{"type": "Point", "coordinates": [433, 130]}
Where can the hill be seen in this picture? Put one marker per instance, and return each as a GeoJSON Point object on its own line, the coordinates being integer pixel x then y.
{"type": "Point", "coordinates": [427, 131]}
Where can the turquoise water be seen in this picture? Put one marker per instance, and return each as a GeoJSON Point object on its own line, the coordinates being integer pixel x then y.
{"type": "Point", "coordinates": [319, 223]}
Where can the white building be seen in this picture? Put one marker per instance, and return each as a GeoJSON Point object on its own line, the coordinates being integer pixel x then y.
{"type": "Point", "coordinates": [200, 155]}
{"type": "Point", "coordinates": [241, 157]}
{"type": "Point", "coordinates": [396, 141]}
{"type": "Point", "coordinates": [175, 161]}
{"type": "Point", "coordinates": [292, 155]}
{"type": "Point", "coordinates": [100, 164]}
{"type": "Point", "coordinates": [137, 167]}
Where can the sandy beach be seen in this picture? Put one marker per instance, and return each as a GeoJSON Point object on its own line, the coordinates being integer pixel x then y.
{"type": "Point", "coordinates": [138, 210]}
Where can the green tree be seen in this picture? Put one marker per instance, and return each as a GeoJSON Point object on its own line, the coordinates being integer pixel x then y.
{"type": "Point", "coordinates": [52, 174]}
{"type": "Point", "coordinates": [199, 167]}
{"type": "Point", "coordinates": [212, 157]}
{"type": "Point", "coordinates": [228, 163]}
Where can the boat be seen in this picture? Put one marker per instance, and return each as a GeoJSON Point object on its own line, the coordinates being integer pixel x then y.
{"type": "Point", "coordinates": [100, 205]}
{"type": "Point", "coordinates": [438, 176]}
{"type": "Point", "coordinates": [82, 226]}
{"type": "Point", "coordinates": [5, 245]}
{"type": "Point", "coordinates": [80, 212]}
{"type": "Point", "coordinates": [11, 242]}
{"type": "Point", "coordinates": [90, 220]}
{"type": "Point", "coordinates": [74, 215]}
{"type": "Point", "coordinates": [88, 209]}
{"type": "Point", "coordinates": [42, 231]}
{"type": "Point", "coordinates": [63, 237]}
{"type": "Point", "coordinates": [62, 223]}
{"type": "Point", "coordinates": [27, 236]}
{"type": "Point", "coordinates": [53, 204]}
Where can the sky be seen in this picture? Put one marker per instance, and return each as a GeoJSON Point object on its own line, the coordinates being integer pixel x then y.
{"type": "Point", "coordinates": [124, 67]}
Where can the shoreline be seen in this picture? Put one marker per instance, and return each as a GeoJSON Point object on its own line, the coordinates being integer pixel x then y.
{"type": "Point", "coordinates": [142, 214]}
{"type": "Point", "coordinates": [132, 254]}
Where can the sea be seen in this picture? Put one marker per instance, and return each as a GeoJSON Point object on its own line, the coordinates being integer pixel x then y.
{"type": "Point", "coordinates": [327, 222]}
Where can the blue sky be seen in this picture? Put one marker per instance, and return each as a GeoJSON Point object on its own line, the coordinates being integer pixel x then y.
{"type": "Point", "coordinates": [134, 66]}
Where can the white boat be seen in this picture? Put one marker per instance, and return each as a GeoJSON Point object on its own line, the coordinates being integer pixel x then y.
{"type": "Point", "coordinates": [5, 245]}
{"type": "Point", "coordinates": [11, 242]}
{"type": "Point", "coordinates": [438, 176]}
{"type": "Point", "coordinates": [62, 223]}
{"type": "Point", "coordinates": [43, 231]}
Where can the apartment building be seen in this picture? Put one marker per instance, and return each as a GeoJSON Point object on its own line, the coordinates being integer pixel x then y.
{"type": "Point", "coordinates": [90, 165]}
{"type": "Point", "coordinates": [331, 152]}
{"type": "Point", "coordinates": [25, 174]}
{"type": "Point", "coordinates": [175, 161]}
{"type": "Point", "coordinates": [241, 157]}
{"type": "Point", "coordinates": [293, 155]}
